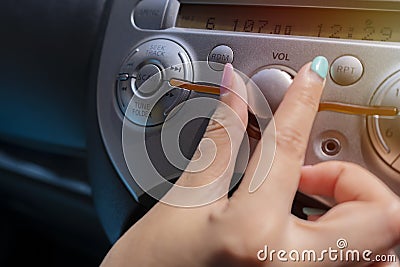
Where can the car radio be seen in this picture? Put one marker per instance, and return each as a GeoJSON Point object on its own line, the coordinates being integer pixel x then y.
{"type": "Point", "coordinates": [149, 42]}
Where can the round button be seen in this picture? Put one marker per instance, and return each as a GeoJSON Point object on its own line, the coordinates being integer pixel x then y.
{"type": "Point", "coordinates": [143, 92]}
{"type": "Point", "coordinates": [149, 14]}
{"type": "Point", "coordinates": [143, 75]}
{"type": "Point", "coordinates": [346, 70]}
{"type": "Point", "coordinates": [220, 56]}
{"type": "Point", "coordinates": [273, 81]}
{"type": "Point", "coordinates": [385, 132]}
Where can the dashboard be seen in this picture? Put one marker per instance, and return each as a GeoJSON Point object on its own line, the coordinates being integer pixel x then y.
{"type": "Point", "coordinates": [148, 43]}
{"type": "Point", "coordinates": [86, 87]}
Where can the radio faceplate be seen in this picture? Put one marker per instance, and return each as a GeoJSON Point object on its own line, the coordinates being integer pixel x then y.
{"type": "Point", "coordinates": [359, 69]}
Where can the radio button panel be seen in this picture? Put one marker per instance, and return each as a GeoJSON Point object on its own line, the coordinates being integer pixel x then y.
{"type": "Point", "coordinates": [252, 52]}
{"type": "Point", "coordinates": [146, 71]}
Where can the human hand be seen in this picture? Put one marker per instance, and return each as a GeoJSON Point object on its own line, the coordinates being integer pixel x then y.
{"type": "Point", "coordinates": [232, 231]}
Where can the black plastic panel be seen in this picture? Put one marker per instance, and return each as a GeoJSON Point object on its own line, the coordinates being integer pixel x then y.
{"type": "Point", "coordinates": [45, 50]}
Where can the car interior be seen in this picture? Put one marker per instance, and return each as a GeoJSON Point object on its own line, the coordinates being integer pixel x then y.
{"type": "Point", "coordinates": [87, 91]}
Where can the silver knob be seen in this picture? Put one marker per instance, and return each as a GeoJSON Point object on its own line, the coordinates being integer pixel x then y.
{"type": "Point", "coordinates": [273, 82]}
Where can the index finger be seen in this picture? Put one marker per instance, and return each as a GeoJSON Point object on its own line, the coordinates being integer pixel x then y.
{"type": "Point", "coordinates": [293, 121]}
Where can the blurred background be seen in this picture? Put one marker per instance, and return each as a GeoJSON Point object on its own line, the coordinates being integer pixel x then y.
{"type": "Point", "coordinates": [46, 54]}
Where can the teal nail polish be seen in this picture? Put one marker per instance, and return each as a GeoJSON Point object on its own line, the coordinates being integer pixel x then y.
{"type": "Point", "coordinates": [320, 66]}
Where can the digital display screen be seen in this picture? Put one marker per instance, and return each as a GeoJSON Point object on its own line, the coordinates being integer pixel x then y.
{"type": "Point", "coordinates": [371, 25]}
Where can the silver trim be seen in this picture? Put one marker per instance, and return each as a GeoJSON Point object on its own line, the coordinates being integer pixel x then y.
{"type": "Point", "coordinates": [348, 4]}
{"type": "Point", "coordinates": [379, 135]}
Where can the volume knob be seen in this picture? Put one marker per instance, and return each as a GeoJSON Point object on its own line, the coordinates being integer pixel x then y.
{"type": "Point", "coordinates": [273, 81]}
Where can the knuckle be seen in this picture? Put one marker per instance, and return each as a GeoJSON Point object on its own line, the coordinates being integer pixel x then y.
{"type": "Point", "coordinates": [217, 133]}
{"type": "Point", "coordinates": [344, 166]}
{"type": "Point", "coordinates": [213, 125]}
{"type": "Point", "coordinates": [225, 128]}
{"type": "Point", "coordinates": [290, 140]}
{"type": "Point", "coordinates": [218, 119]}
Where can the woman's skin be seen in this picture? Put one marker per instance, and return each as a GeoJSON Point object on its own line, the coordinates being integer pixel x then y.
{"type": "Point", "coordinates": [231, 231]}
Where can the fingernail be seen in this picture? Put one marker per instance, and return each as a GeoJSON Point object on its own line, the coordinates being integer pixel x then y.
{"type": "Point", "coordinates": [313, 212]}
{"type": "Point", "coordinates": [227, 79]}
{"type": "Point", "coordinates": [320, 66]}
